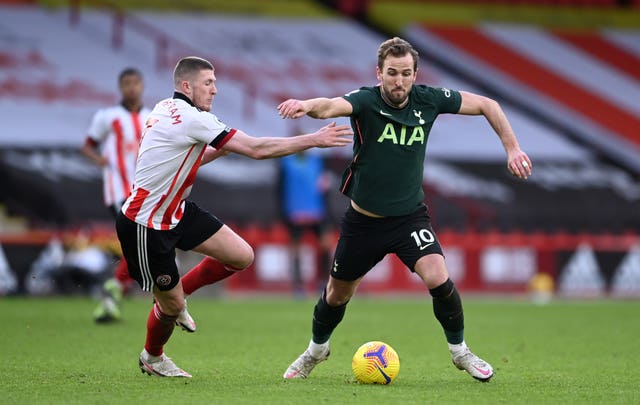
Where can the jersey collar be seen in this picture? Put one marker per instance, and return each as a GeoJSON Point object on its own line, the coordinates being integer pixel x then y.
{"type": "Point", "coordinates": [180, 96]}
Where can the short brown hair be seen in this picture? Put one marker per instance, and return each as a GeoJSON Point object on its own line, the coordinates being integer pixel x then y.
{"type": "Point", "coordinates": [396, 47]}
{"type": "Point", "coordinates": [186, 67]}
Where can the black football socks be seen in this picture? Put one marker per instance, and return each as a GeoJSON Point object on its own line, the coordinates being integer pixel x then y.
{"type": "Point", "coordinates": [325, 319]}
{"type": "Point", "coordinates": [447, 306]}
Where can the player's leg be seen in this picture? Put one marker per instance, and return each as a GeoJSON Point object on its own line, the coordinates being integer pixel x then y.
{"type": "Point", "coordinates": [121, 274]}
{"type": "Point", "coordinates": [122, 281]}
{"type": "Point", "coordinates": [160, 324]}
{"type": "Point", "coordinates": [295, 235]}
{"type": "Point", "coordinates": [419, 249]}
{"type": "Point", "coordinates": [326, 244]}
{"type": "Point", "coordinates": [327, 314]}
{"type": "Point", "coordinates": [227, 253]}
{"type": "Point", "coordinates": [329, 311]}
{"type": "Point", "coordinates": [355, 255]}
{"type": "Point", "coordinates": [447, 307]}
{"type": "Point", "coordinates": [113, 289]}
{"type": "Point", "coordinates": [150, 255]}
{"type": "Point", "coordinates": [233, 255]}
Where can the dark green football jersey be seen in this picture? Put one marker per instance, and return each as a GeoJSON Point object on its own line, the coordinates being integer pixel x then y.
{"type": "Point", "coordinates": [385, 176]}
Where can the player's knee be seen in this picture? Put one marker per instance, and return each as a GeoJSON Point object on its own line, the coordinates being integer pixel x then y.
{"type": "Point", "coordinates": [243, 260]}
{"type": "Point", "coordinates": [336, 298]}
{"type": "Point", "coordinates": [435, 279]}
{"type": "Point", "coordinates": [432, 270]}
{"type": "Point", "coordinates": [172, 305]}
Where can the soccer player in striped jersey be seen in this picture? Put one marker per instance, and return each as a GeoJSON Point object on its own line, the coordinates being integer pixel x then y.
{"type": "Point", "coordinates": [387, 214]}
{"type": "Point", "coordinates": [180, 135]}
{"type": "Point", "coordinates": [112, 144]}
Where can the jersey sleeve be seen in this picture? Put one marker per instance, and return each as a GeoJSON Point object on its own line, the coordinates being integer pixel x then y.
{"type": "Point", "coordinates": [98, 129]}
{"type": "Point", "coordinates": [446, 100]}
{"type": "Point", "coordinates": [357, 99]}
{"type": "Point", "coordinates": [207, 128]}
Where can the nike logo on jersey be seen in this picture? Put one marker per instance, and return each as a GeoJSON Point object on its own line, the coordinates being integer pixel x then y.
{"type": "Point", "coordinates": [385, 114]}
{"type": "Point", "coordinates": [423, 247]}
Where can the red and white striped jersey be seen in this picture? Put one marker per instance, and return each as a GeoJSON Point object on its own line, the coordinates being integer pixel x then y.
{"type": "Point", "coordinates": [118, 132]}
{"type": "Point", "coordinates": [175, 137]}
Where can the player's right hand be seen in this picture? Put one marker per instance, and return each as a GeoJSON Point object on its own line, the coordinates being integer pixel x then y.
{"type": "Point", "coordinates": [519, 163]}
{"type": "Point", "coordinates": [333, 135]}
{"type": "Point", "coordinates": [292, 108]}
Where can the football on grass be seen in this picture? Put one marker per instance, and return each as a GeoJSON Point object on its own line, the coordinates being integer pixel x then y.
{"type": "Point", "coordinates": [375, 363]}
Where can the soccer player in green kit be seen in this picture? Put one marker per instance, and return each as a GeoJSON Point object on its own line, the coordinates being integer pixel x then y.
{"type": "Point", "coordinates": [391, 124]}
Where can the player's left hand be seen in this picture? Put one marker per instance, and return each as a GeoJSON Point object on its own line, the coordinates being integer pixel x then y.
{"type": "Point", "coordinates": [519, 164]}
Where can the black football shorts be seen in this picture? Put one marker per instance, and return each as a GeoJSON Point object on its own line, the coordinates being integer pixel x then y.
{"type": "Point", "coordinates": [151, 253]}
{"type": "Point", "coordinates": [364, 241]}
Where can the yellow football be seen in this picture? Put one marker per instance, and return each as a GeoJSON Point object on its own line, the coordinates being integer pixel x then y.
{"type": "Point", "coordinates": [375, 363]}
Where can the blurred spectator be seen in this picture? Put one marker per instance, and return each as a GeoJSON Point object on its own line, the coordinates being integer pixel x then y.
{"type": "Point", "coordinates": [303, 187]}
{"type": "Point", "coordinates": [8, 281]}
{"type": "Point", "coordinates": [80, 269]}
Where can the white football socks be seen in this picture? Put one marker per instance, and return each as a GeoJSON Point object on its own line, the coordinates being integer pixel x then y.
{"type": "Point", "coordinates": [318, 350]}
{"type": "Point", "coordinates": [455, 349]}
{"type": "Point", "coordinates": [149, 358]}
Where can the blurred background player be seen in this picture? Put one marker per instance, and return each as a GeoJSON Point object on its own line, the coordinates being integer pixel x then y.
{"type": "Point", "coordinates": [112, 144]}
{"type": "Point", "coordinates": [303, 186]}
{"type": "Point", "coordinates": [387, 214]}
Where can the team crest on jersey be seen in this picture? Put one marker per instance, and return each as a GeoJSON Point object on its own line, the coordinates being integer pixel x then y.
{"type": "Point", "coordinates": [163, 280]}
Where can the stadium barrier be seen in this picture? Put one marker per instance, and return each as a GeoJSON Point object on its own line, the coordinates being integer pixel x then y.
{"type": "Point", "coordinates": [580, 265]}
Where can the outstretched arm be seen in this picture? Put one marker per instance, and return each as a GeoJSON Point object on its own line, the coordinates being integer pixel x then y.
{"type": "Point", "coordinates": [271, 147]}
{"type": "Point", "coordinates": [315, 108]}
{"type": "Point", "coordinates": [518, 162]}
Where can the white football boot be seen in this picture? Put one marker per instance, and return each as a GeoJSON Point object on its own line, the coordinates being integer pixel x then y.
{"type": "Point", "coordinates": [472, 364]}
{"type": "Point", "coordinates": [161, 366]}
{"type": "Point", "coordinates": [302, 367]}
{"type": "Point", "coordinates": [185, 321]}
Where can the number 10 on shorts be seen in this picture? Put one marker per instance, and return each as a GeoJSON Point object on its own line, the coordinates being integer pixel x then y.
{"type": "Point", "coordinates": [423, 238]}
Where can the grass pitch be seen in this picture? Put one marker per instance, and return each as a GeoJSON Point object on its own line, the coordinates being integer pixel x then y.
{"type": "Point", "coordinates": [564, 352]}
